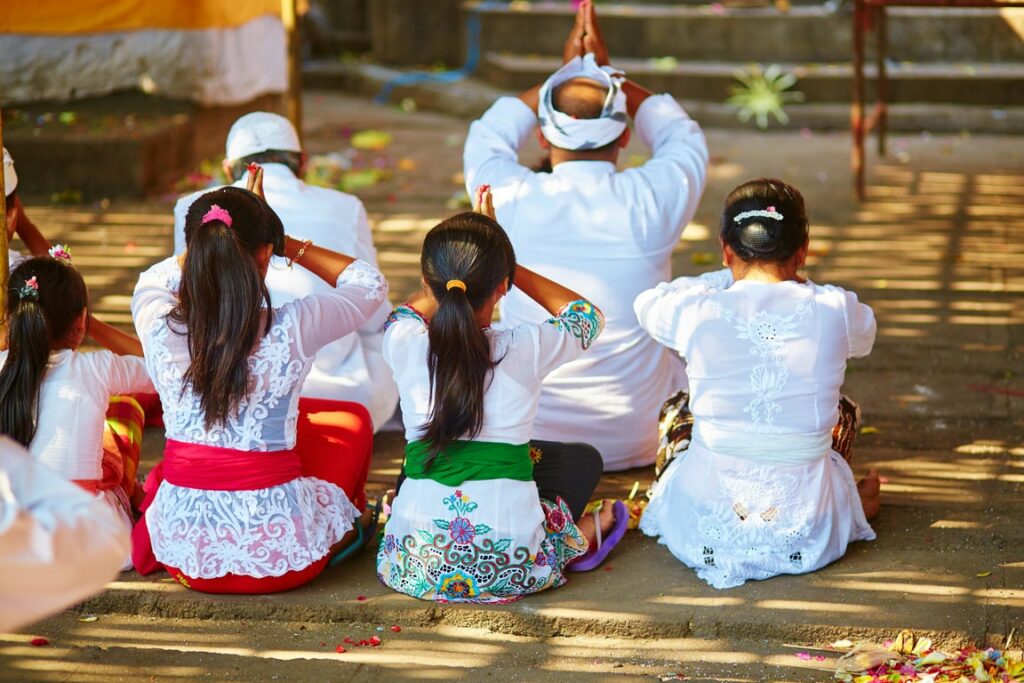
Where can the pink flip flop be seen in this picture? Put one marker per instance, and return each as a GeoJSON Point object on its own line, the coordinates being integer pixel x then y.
{"type": "Point", "coordinates": [595, 556]}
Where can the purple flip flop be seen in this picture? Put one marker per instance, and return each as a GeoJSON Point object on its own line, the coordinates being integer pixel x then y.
{"type": "Point", "coordinates": [596, 556]}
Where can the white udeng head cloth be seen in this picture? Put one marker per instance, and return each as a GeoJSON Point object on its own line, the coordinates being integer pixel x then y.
{"type": "Point", "coordinates": [566, 132]}
{"type": "Point", "coordinates": [259, 131]}
{"type": "Point", "coordinates": [10, 177]}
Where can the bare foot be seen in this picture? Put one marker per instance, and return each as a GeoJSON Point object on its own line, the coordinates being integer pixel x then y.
{"type": "Point", "coordinates": [869, 489]}
{"type": "Point", "coordinates": [586, 524]}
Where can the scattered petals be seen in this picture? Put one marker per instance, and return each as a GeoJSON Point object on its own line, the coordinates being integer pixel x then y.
{"type": "Point", "coordinates": [396, 629]}
{"type": "Point", "coordinates": [340, 649]}
{"type": "Point", "coordinates": [361, 598]}
{"type": "Point", "coordinates": [982, 575]}
{"type": "Point", "coordinates": [802, 655]}
{"type": "Point", "coordinates": [375, 641]}
{"type": "Point", "coordinates": [843, 643]}
{"type": "Point", "coordinates": [88, 618]}
{"type": "Point", "coordinates": [39, 642]}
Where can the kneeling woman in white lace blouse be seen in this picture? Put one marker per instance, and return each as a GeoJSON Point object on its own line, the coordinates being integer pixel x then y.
{"type": "Point", "coordinates": [760, 487]}
{"type": "Point", "coordinates": [256, 488]}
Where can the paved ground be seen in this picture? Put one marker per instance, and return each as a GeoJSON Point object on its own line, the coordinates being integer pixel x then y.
{"type": "Point", "coordinates": [936, 249]}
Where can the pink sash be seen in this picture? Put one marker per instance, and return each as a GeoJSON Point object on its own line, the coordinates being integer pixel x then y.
{"type": "Point", "coordinates": [209, 468]}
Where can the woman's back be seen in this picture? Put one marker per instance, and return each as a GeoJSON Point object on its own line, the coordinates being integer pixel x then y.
{"type": "Point", "coordinates": [771, 357]}
{"type": "Point", "coordinates": [265, 419]}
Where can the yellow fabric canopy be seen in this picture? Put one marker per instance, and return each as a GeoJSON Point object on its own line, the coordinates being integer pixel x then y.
{"type": "Point", "coordinates": [68, 17]}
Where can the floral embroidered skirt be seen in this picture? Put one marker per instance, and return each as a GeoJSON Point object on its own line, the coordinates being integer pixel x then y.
{"type": "Point", "coordinates": [490, 541]}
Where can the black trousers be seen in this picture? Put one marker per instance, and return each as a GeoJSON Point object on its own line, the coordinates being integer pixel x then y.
{"type": "Point", "coordinates": [569, 471]}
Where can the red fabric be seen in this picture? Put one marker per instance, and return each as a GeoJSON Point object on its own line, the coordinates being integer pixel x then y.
{"type": "Point", "coordinates": [334, 442]}
{"type": "Point", "coordinates": [248, 585]}
{"type": "Point", "coordinates": [210, 468]}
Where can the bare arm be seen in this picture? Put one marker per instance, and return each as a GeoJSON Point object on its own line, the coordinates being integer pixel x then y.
{"type": "Point", "coordinates": [549, 294]}
{"type": "Point", "coordinates": [324, 263]}
{"type": "Point", "coordinates": [635, 96]}
{"type": "Point", "coordinates": [113, 339]}
{"type": "Point", "coordinates": [37, 244]}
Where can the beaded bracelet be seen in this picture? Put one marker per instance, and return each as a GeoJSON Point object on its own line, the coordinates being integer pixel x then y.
{"type": "Point", "coordinates": [298, 255]}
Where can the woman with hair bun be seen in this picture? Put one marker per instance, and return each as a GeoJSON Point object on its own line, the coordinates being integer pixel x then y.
{"type": "Point", "coordinates": [753, 477]}
{"type": "Point", "coordinates": [257, 490]}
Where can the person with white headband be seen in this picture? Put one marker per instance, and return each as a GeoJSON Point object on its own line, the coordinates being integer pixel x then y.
{"type": "Point", "coordinates": [754, 477]}
{"type": "Point", "coordinates": [606, 234]}
{"type": "Point", "coordinates": [348, 369]}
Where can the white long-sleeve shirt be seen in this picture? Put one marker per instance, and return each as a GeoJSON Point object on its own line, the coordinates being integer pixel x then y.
{"type": "Point", "coordinates": [609, 236]}
{"type": "Point", "coordinates": [58, 544]}
{"type": "Point", "coordinates": [73, 402]}
{"type": "Point", "coordinates": [188, 527]}
{"type": "Point", "coordinates": [351, 368]}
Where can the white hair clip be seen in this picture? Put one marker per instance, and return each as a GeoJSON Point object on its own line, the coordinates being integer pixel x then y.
{"type": "Point", "coordinates": [769, 212]}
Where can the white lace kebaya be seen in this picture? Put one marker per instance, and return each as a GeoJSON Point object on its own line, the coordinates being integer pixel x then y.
{"type": "Point", "coordinates": [266, 532]}
{"type": "Point", "coordinates": [760, 491]}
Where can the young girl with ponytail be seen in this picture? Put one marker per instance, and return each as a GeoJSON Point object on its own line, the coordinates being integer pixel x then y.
{"type": "Point", "coordinates": [257, 489]}
{"type": "Point", "coordinates": [475, 519]}
{"type": "Point", "coordinates": [62, 404]}
{"type": "Point", "coordinates": [754, 478]}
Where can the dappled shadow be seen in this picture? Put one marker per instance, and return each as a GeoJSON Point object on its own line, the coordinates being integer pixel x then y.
{"type": "Point", "coordinates": [936, 250]}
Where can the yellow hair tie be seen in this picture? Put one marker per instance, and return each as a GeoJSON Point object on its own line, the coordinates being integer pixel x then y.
{"type": "Point", "coordinates": [453, 284]}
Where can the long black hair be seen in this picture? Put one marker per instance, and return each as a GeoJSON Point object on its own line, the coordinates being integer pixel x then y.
{"type": "Point", "coordinates": [222, 295]}
{"type": "Point", "coordinates": [40, 318]}
{"type": "Point", "coordinates": [474, 249]}
{"type": "Point", "coordinates": [759, 237]}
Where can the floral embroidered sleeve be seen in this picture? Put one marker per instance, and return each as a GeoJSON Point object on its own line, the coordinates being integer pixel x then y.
{"type": "Point", "coordinates": [404, 312]}
{"type": "Point", "coordinates": [567, 335]}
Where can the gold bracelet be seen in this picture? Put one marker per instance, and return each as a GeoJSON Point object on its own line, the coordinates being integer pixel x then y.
{"type": "Point", "coordinates": [298, 255]}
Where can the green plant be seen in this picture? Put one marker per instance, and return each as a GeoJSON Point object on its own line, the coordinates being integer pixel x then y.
{"type": "Point", "coordinates": [761, 92]}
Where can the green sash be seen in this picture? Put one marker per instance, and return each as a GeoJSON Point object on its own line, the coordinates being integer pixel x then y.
{"type": "Point", "coordinates": [469, 461]}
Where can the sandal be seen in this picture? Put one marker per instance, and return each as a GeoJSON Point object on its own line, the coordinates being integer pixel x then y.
{"type": "Point", "coordinates": [363, 537]}
{"type": "Point", "coordinates": [595, 556]}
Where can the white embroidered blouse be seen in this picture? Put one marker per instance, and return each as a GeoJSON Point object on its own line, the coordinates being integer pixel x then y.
{"type": "Point", "coordinates": [266, 532]}
{"type": "Point", "coordinates": [759, 491]}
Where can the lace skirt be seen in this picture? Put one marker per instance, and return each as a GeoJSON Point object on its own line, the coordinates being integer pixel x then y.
{"type": "Point", "coordinates": [490, 541]}
{"type": "Point", "coordinates": [734, 519]}
{"type": "Point", "coordinates": [266, 532]}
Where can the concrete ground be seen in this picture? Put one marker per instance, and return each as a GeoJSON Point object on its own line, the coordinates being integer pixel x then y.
{"type": "Point", "coordinates": [938, 251]}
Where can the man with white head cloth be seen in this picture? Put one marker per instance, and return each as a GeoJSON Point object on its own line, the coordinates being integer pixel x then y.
{"type": "Point", "coordinates": [352, 368]}
{"type": "Point", "coordinates": [607, 234]}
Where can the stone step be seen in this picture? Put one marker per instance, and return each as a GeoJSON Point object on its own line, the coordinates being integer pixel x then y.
{"type": "Point", "coordinates": [470, 97]}
{"type": "Point", "coordinates": [760, 34]}
{"type": "Point", "coordinates": [997, 84]}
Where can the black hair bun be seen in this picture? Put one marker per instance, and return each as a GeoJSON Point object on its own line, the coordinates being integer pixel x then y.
{"type": "Point", "coordinates": [759, 237]}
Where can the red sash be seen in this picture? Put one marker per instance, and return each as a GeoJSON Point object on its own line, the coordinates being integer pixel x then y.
{"type": "Point", "coordinates": [209, 468]}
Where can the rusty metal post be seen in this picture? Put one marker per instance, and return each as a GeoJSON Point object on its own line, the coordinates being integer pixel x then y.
{"type": "Point", "coordinates": [882, 94]}
{"type": "Point", "coordinates": [857, 109]}
{"type": "Point", "coordinates": [293, 104]}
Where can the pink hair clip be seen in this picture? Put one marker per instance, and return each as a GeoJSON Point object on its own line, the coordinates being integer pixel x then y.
{"type": "Point", "coordinates": [29, 290]}
{"type": "Point", "coordinates": [216, 213]}
{"type": "Point", "coordinates": [60, 252]}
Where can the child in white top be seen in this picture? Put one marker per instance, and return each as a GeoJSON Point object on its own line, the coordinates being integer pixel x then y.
{"type": "Point", "coordinates": [468, 523]}
{"type": "Point", "coordinates": [759, 490]}
{"type": "Point", "coordinates": [54, 399]}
